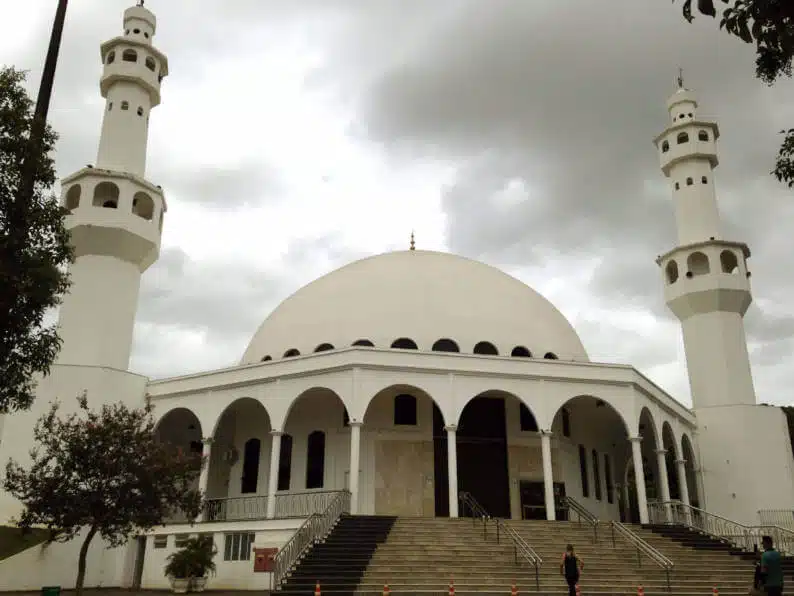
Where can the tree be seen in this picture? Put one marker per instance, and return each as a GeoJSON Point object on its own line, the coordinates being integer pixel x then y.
{"type": "Point", "coordinates": [104, 471]}
{"type": "Point", "coordinates": [769, 24]}
{"type": "Point", "coordinates": [34, 250]}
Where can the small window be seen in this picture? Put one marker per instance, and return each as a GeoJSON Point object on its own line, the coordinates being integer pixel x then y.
{"type": "Point", "coordinates": [315, 460]}
{"type": "Point", "coordinates": [566, 423]}
{"type": "Point", "coordinates": [405, 410]}
{"type": "Point", "coordinates": [528, 423]}
{"type": "Point", "coordinates": [125, 105]}
{"type": "Point", "coordinates": [266, 359]}
{"type": "Point", "coordinates": [346, 418]}
{"type": "Point", "coordinates": [703, 136]}
{"type": "Point", "coordinates": [324, 348]}
{"type": "Point", "coordinates": [136, 31]}
{"type": "Point", "coordinates": [445, 345]}
{"type": "Point", "coordinates": [677, 186]}
{"type": "Point", "coordinates": [364, 343]}
{"type": "Point", "coordinates": [665, 147]}
{"type": "Point", "coordinates": [140, 111]}
{"type": "Point", "coordinates": [520, 352]}
{"type": "Point", "coordinates": [596, 476]}
{"type": "Point", "coordinates": [672, 271]}
{"type": "Point", "coordinates": [146, 35]}
{"type": "Point", "coordinates": [73, 197]}
{"type": "Point", "coordinates": [682, 138]}
{"type": "Point", "coordinates": [550, 356]}
{"type": "Point", "coordinates": [291, 353]}
{"type": "Point", "coordinates": [681, 116]}
{"type": "Point", "coordinates": [150, 63]}
{"type": "Point", "coordinates": [110, 105]}
{"type": "Point", "coordinates": [486, 348]}
{"type": "Point", "coordinates": [180, 540]}
{"type": "Point", "coordinates": [729, 262]}
{"type": "Point", "coordinates": [237, 546]}
{"type": "Point", "coordinates": [129, 56]}
{"type": "Point", "coordinates": [583, 471]}
{"type": "Point", "coordinates": [111, 58]}
{"type": "Point", "coordinates": [285, 463]}
{"type": "Point", "coordinates": [404, 344]}
{"type": "Point", "coordinates": [160, 541]}
{"type": "Point", "coordinates": [608, 475]}
{"type": "Point", "coordinates": [689, 182]}
{"type": "Point", "coordinates": [698, 263]}
{"type": "Point", "coordinates": [704, 180]}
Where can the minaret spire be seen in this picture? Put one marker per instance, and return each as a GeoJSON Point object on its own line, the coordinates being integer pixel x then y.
{"type": "Point", "coordinates": [413, 241]}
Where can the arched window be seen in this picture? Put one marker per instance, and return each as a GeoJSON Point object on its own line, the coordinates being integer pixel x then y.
{"type": "Point", "coordinates": [106, 194]}
{"type": "Point", "coordinates": [111, 58]}
{"type": "Point", "coordinates": [682, 138]}
{"type": "Point", "coordinates": [285, 463]}
{"type": "Point", "coordinates": [150, 63]}
{"type": "Point", "coordinates": [250, 466]}
{"type": "Point", "coordinates": [364, 342]}
{"type": "Point", "coordinates": [140, 111]}
{"type": "Point", "coordinates": [345, 418]}
{"type": "Point", "coordinates": [550, 356]}
{"type": "Point", "coordinates": [689, 182]}
{"type": "Point", "coordinates": [129, 56]}
{"type": "Point", "coordinates": [486, 347]}
{"type": "Point", "coordinates": [729, 262]}
{"type": "Point", "coordinates": [143, 206]}
{"type": "Point", "coordinates": [665, 146]}
{"type": "Point", "coordinates": [698, 263]}
{"type": "Point", "coordinates": [704, 180]}
{"type": "Point", "coordinates": [583, 471]}
{"type": "Point", "coordinates": [405, 410]}
{"type": "Point", "coordinates": [404, 344]}
{"type": "Point", "coordinates": [125, 105]}
{"type": "Point", "coordinates": [266, 359]}
{"type": "Point", "coordinates": [672, 271]}
{"type": "Point", "coordinates": [323, 348]}
{"type": "Point", "coordinates": [445, 345]}
{"type": "Point", "coordinates": [527, 420]}
{"type": "Point", "coordinates": [703, 136]}
{"type": "Point", "coordinates": [315, 460]}
{"type": "Point", "coordinates": [291, 353]}
{"type": "Point", "coordinates": [596, 476]}
{"type": "Point", "coordinates": [677, 186]}
{"type": "Point", "coordinates": [73, 197]}
{"type": "Point", "coordinates": [521, 352]}
{"type": "Point", "coordinates": [608, 477]}
{"type": "Point", "coordinates": [566, 423]}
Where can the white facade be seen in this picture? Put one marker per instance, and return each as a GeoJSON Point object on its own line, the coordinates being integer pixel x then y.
{"type": "Point", "coordinates": [405, 377]}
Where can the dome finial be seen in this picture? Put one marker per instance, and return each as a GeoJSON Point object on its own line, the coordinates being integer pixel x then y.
{"type": "Point", "coordinates": [413, 241]}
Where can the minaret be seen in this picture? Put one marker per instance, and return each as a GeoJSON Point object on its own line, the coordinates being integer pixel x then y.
{"type": "Point", "coordinates": [116, 216]}
{"type": "Point", "coordinates": [707, 284]}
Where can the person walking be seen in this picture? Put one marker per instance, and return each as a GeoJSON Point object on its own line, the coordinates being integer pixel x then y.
{"type": "Point", "coordinates": [771, 568]}
{"type": "Point", "coordinates": [571, 568]}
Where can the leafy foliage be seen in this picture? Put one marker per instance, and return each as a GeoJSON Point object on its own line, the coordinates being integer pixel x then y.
{"type": "Point", "coordinates": [34, 250]}
{"type": "Point", "coordinates": [194, 559]}
{"type": "Point", "coordinates": [102, 470]}
{"type": "Point", "coordinates": [769, 24]}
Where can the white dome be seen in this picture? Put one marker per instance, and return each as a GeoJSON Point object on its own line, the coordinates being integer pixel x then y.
{"type": "Point", "coordinates": [421, 295]}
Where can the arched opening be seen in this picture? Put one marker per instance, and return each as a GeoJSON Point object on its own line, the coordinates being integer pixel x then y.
{"type": "Point", "coordinates": [550, 356]}
{"type": "Point", "coordinates": [521, 352]}
{"type": "Point", "coordinates": [698, 263]}
{"type": "Point", "coordinates": [129, 56]}
{"type": "Point", "coordinates": [485, 461]}
{"type": "Point", "coordinates": [688, 454]}
{"type": "Point", "coordinates": [682, 138]}
{"type": "Point", "coordinates": [670, 456]}
{"type": "Point", "coordinates": [410, 459]}
{"type": "Point", "coordinates": [266, 358]}
{"type": "Point", "coordinates": [106, 194]}
{"type": "Point", "coordinates": [486, 348]}
{"type": "Point", "coordinates": [291, 353]}
{"type": "Point", "coordinates": [125, 105]}
{"type": "Point", "coordinates": [445, 345]}
{"type": "Point", "coordinates": [364, 343]}
{"type": "Point", "coordinates": [651, 442]}
{"type": "Point", "coordinates": [150, 63]}
{"type": "Point", "coordinates": [239, 458]}
{"type": "Point", "coordinates": [315, 460]}
{"type": "Point", "coordinates": [703, 136]}
{"type": "Point", "coordinates": [111, 58]}
{"type": "Point", "coordinates": [665, 146]}
{"type": "Point", "coordinates": [671, 270]}
{"type": "Point", "coordinates": [285, 463]}
{"type": "Point", "coordinates": [323, 347]}
{"type": "Point", "coordinates": [143, 206]}
{"type": "Point", "coordinates": [404, 343]}
{"type": "Point", "coordinates": [73, 197]}
{"type": "Point", "coordinates": [140, 111]}
{"type": "Point", "coordinates": [250, 476]}
{"type": "Point", "coordinates": [589, 432]}
{"type": "Point", "coordinates": [689, 181]}
{"type": "Point", "coordinates": [729, 262]}
{"type": "Point", "coordinates": [704, 180]}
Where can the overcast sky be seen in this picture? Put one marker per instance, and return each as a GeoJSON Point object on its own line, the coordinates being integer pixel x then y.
{"type": "Point", "coordinates": [298, 135]}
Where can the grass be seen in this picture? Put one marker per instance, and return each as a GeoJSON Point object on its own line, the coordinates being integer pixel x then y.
{"type": "Point", "coordinates": [12, 541]}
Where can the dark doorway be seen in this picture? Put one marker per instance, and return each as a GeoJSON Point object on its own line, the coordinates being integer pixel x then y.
{"type": "Point", "coordinates": [440, 464]}
{"type": "Point", "coordinates": [140, 557]}
{"type": "Point", "coordinates": [533, 500]}
{"type": "Point", "coordinates": [482, 454]}
{"type": "Point", "coordinates": [250, 466]}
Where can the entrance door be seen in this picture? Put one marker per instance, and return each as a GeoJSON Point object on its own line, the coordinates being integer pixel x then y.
{"type": "Point", "coordinates": [440, 464]}
{"type": "Point", "coordinates": [140, 556]}
{"type": "Point", "coordinates": [482, 454]}
{"type": "Point", "coordinates": [533, 500]}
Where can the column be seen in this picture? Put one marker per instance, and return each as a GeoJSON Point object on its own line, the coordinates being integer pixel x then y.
{"type": "Point", "coordinates": [626, 502]}
{"type": "Point", "coordinates": [664, 482]}
{"type": "Point", "coordinates": [272, 482]}
{"type": "Point", "coordinates": [452, 467]}
{"type": "Point", "coordinates": [548, 478]}
{"type": "Point", "coordinates": [355, 457]}
{"type": "Point", "coordinates": [204, 478]}
{"type": "Point", "coordinates": [684, 489]}
{"type": "Point", "coordinates": [639, 478]}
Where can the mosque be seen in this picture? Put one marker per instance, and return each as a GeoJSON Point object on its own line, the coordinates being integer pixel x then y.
{"type": "Point", "coordinates": [404, 378]}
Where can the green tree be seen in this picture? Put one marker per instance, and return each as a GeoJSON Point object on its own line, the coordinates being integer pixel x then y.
{"type": "Point", "coordinates": [34, 250]}
{"type": "Point", "coordinates": [103, 471]}
{"type": "Point", "coordinates": [769, 24]}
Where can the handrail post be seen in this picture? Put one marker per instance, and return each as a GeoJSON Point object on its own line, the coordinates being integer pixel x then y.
{"type": "Point", "coordinates": [537, 577]}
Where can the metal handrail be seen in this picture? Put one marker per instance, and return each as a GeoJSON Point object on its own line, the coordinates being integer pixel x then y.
{"type": "Point", "coordinates": [478, 512]}
{"type": "Point", "coordinates": [583, 514]}
{"type": "Point", "coordinates": [312, 531]}
{"type": "Point", "coordinates": [644, 548]}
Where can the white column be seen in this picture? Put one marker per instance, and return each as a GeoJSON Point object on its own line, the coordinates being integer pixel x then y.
{"type": "Point", "coordinates": [355, 457]}
{"type": "Point", "coordinates": [204, 477]}
{"type": "Point", "coordinates": [452, 467]}
{"type": "Point", "coordinates": [639, 478]}
{"type": "Point", "coordinates": [664, 481]}
{"type": "Point", "coordinates": [272, 482]}
{"type": "Point", "coordinates": [548, 478]}
{"type": "Point", "coordinates": [683, 487]}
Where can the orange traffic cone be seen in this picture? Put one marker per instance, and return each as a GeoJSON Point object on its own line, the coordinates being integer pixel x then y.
{"type": "Point", "coordinates": [385, 589]}
{"type": "Point", "coordinates": [514, 590]}
{"type": "Point", "coordinates": [640, 591]}
{"type": "Point", "coordinates": [317, 589]}
{"type": "Point", "coordinates": [451, 587]}
{"type": "Point", "coordinates": [715, 591]}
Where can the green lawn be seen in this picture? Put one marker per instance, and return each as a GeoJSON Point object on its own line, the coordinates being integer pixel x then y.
{"type": "Point", "coordinates": [12, 541]}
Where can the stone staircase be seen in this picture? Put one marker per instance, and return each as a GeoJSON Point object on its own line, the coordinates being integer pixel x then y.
{"type": "Point", "coordinates": [421, 555]}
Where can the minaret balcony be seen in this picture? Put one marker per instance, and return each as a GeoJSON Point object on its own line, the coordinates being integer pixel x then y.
{"type": "Point", "coordinates": [686, 141]}
{"type": "Point", "coordinates": [130, 60]}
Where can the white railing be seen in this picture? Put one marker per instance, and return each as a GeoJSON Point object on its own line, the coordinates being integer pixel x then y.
{"type": "Point", "coordinates": [643, 548]}
{"type": "Point", "coordinates": [289, 505]}
{"type": "Point", "coordinates": [783, 518]}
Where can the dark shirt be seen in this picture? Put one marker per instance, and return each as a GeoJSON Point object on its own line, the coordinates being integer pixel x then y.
{"type": "Point", "coordinates": [771, 566]}
{"type": "Point", "coordinates": [571, 566]}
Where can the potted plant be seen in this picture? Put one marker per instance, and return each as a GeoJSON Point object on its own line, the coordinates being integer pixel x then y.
{"type": "Point", "coordinates": [177, 569]}
{"type": "Point", "coordinates": [201, 551]}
